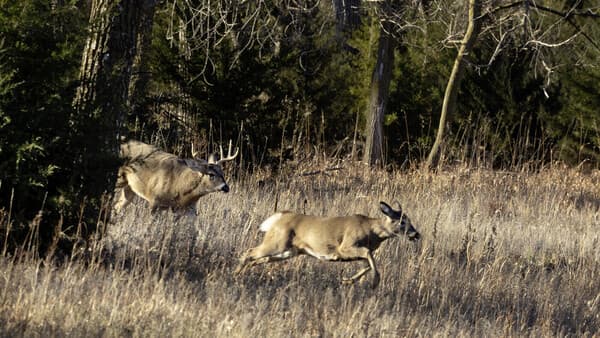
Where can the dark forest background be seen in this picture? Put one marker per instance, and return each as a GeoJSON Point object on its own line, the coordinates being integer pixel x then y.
{"type": "Point", "coordinates": [287, 81]}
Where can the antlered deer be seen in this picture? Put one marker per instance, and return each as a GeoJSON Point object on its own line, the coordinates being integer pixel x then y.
{"type": "Point", "coordinates": [345, 238]}
{"type": "Point", "coordinates": [165, 180]}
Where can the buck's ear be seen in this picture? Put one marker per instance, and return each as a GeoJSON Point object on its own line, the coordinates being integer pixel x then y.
{"type": "Point", "coordinates": [204, 168]}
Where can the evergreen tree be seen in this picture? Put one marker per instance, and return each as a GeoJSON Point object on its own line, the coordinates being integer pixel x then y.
{"type": "Point", "coordinates": [39, 55]}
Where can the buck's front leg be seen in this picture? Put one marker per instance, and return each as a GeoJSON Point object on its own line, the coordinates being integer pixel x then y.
{"type": "Point", "coordinates": [125, 198]}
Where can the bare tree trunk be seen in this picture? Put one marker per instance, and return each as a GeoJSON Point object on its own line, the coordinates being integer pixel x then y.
{"type": "Point", "coordinates": [140, 74]}
{"type": "Point", "coordinates": [107, 90]}
{"type": "Point", "coordinates": [112, 79]}
{"type": "Point", "coordinates": [95, 48]}
{"type": "Point", "coordinates": [380, 85]}
{"type": "Point", "coordinates": [449, 103]}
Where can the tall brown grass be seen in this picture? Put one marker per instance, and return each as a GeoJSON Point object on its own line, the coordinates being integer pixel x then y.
{"type": "Point", "coordinates": [502, 254]}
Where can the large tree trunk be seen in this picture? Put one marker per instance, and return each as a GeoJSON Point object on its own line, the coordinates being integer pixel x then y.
{"type": "Point", "coordinates": [140, 74]}
{"type": "Point", "coordinates": [112, 76]}
{"type": "Point", "coordinates": [95, 48]}
{"type": "Point", "coordinates": [380, 85]}
{"type": "Point", "coordinates": [108, 89]}
{"type": "Point", "coordinates": [449, 103]}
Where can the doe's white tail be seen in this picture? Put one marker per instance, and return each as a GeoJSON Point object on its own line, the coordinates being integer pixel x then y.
{"type": "Point", "coordinates": [269, 222]}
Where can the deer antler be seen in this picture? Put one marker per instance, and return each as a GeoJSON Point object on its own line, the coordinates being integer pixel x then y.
{"type": "Point", "coordinates": [229, 156]}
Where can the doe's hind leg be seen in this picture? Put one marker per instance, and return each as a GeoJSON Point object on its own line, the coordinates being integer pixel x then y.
{"type": "Point", "coordinates": [275, 247]}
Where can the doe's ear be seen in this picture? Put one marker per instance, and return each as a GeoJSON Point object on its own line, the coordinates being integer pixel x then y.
{"type": "Point", "coordinates": [399, 210]}
{"type": "Point", "coordinates": [388, 211]}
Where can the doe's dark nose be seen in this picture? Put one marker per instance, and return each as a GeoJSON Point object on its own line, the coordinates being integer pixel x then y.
{"type": "Point", "coordinates": [414, 236]}
{"type": "Point", "coordinates": [225, 188]}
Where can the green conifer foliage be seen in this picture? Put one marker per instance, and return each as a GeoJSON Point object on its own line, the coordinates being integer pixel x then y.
{"type": "Point", "coordinates": [40, 48]}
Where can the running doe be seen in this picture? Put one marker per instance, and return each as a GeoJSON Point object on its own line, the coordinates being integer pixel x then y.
{"type": "Point", "coordinates": [345, 238]}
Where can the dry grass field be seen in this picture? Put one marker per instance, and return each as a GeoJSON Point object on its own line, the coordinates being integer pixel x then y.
{"type": "Point", "coordinates": [501, 254]}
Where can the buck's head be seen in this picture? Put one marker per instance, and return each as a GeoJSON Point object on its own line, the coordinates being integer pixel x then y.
{"type": "Point", "coordinates": [212, 169]}
{"type": "Point", "coordinates": [398, 222]}
{"type": "Point", "coordinates": [211, 175]}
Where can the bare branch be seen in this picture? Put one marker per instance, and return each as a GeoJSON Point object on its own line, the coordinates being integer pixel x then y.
{"type": "Point", "coordinates": [552, 45]}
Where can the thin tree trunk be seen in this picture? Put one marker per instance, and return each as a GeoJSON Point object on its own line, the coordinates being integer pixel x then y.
{"type": "Point", "coordinates": [380, 85]}
{"type": "Point", "coordinates": [347, 14]}
{"type": "Point", "coordinates": [449, 103]}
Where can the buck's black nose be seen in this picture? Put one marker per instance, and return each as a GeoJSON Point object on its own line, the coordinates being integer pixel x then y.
{"type": "Point", "coordinates": [225, 188]}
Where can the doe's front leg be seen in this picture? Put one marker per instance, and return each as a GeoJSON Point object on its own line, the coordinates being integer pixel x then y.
{"type": "Point", "coordinates": [360, 253]}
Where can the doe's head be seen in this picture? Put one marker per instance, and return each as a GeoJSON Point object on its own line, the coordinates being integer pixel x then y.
{"type": "Point", "coordinates": [400, 222]}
